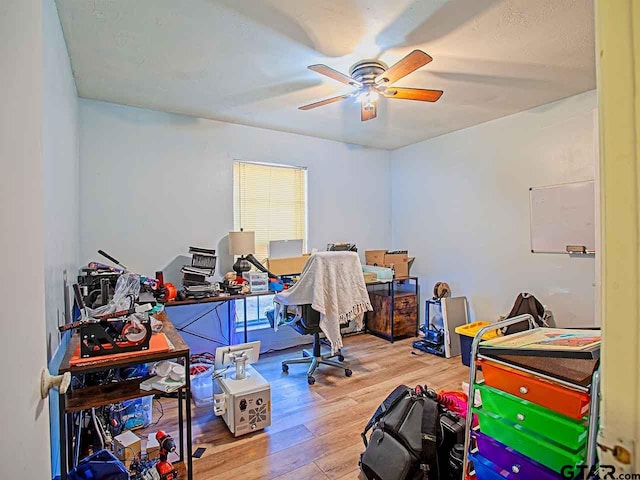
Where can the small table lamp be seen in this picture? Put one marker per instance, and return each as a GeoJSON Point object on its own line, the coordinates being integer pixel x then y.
{"type": "Point", "coordinates": [242, 243]}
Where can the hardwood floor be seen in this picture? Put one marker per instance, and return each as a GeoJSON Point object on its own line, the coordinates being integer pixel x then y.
{"type": "Point", "coordinates": [315, 430]}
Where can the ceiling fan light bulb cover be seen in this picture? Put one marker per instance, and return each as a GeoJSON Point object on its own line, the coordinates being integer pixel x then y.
{"type": "Point", "coordinates": [368, 96]}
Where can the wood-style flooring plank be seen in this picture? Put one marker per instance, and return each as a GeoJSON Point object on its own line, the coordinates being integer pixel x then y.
{"type": "Point", "coordinates": [340, 463]}
{"type": "Point", "coordinates": [353, 475]}
{"type": "Point", "coordinates": [309, 472]}
{"type": "Point", "coordinates": [315, 431]}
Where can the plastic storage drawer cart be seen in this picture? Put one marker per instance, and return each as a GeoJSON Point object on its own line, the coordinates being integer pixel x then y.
{"type": "Point", "coordinates": [531, 425]}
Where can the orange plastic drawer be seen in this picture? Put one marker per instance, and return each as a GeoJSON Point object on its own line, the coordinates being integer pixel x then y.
{"type": "Point", "coordinates": [528, 387]}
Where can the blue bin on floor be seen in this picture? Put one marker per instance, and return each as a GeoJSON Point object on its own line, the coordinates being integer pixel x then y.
{"type": "Point", "coordinates": [102, 465]}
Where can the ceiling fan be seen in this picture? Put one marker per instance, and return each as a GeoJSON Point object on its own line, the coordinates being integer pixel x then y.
{"type": "Point", "coordinates": [373, 78]}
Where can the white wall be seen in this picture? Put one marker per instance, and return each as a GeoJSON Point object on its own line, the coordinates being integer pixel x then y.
{"type": "Point", "coordinates": [60, 147]}
{"type": "Point", "coordinates": [152, 184]}
{"type": "Point", "coordinates": [25, 417]}
{"type": "Point", "coordinates": [461, 206]}
{"type": "Point", "coordinates": [61, 177]}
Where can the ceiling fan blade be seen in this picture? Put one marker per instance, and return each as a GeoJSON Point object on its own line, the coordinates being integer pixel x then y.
{"type": "Point", "coordinates": [413, 94]}
{"type": "Point", "coordinates": [368, 113]}
{"type": "Point", "coordinates": [404, 67]}
{"type": "Point", "coordinates": [336, 75]}
{"type": "Point", "coordinates": [323, 102]}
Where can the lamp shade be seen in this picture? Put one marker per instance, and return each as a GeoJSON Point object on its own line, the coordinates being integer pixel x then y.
{"type": "Point", "coordinates": [242, 243]}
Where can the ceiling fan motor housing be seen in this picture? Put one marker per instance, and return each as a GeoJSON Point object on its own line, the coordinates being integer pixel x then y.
{"type": "Point", "coordinates": [366, 71]}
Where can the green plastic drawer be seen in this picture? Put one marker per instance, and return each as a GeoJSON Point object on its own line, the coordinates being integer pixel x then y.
{"type": "Point", "coordinates": [566, 431]}
{"type": "Point", "coordinates": [548, 453]}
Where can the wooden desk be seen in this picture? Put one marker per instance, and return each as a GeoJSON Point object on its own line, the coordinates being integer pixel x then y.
{"type": "Point", "coordinates": [392, 291]}
{"type": "Point", "coordinates": [217, 299]}
{"type": "Point", "coordinates": [99, 395]}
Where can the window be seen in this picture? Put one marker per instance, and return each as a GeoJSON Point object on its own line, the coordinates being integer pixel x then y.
{"type": "Point", "coordinates": [270, 200]}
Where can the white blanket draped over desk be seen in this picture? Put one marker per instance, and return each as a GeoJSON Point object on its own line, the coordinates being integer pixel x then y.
{"type": "Point", "coordinates": [333, 284]}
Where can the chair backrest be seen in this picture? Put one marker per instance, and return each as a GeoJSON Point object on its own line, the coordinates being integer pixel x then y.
{"type": "Point", "coordinates": [309, 323]}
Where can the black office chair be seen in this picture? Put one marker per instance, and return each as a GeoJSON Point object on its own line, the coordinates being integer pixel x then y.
{"type": "Point", "coordinates": [309, 324]}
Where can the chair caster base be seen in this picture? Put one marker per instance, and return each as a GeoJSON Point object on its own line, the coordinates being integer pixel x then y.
{"type": "Point", "coordinates": [348, 372]}
{"type": "Point", "coordinates": [285, 368]}
{"type": "Point", "coordinates": [311, 380]}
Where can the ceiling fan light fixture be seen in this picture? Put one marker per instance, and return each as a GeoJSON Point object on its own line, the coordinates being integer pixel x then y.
{"type": "Point", "coordinates": [367, 96]}
{"type": "Point", "coordinates": [373, 78]}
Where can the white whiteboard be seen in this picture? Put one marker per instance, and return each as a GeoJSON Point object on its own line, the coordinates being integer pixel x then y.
{"type": "Point", "coordinates": [562, 215]}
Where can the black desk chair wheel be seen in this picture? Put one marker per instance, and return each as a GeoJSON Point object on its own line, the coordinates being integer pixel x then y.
{"type": "Point", "coordinates": [309, 324]}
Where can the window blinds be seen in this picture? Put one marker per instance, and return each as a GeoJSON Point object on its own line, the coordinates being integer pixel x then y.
{"type": "Point", "coordinates": [270, 200]}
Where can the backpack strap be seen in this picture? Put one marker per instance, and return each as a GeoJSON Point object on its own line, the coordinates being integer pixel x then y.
{"type": "Point", "coordinates": [533, 309]}
{"type": "Point", "coordinates": [388, 404]}
{"type": "Point", "coordinates": [430, 438]}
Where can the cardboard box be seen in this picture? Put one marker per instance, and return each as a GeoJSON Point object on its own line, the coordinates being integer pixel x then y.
{"type": "Point", "coordinates": [287, 266]}
{"type": "Point", "coordinates": [395, 259]}
{"type": "Point", "coordinates": [127, 446]}
{"type": "Point", "coordinates": [153, 447]}
{"type": "Point", "coordinates": [402, 266]}
{"type": "Point", "coordinates": [375, 257]}
{"type": "Point", "coordinates": [400, 262]}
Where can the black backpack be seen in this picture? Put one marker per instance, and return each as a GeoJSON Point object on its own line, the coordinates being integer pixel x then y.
{"type": "Point", "coordinates": [405, 436]}
{"type": "Point", "coordinates": [525, 304]}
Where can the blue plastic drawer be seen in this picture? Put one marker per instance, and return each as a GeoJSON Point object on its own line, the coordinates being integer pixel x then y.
{"type": "Point", "coordinates": [485, 470]}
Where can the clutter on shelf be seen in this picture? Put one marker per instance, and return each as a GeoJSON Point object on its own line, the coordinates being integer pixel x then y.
{"type": "Point", "coordinates": [155, 464]}
{"type": "Point", "coordinates": [399, 261]}
{"type": "Point", "coordinates": [121, 325]}
{"type": "Point", "coordinates": [232, 284]}
{"type": "Point", "coordinates": [257, 281]}
{"type": "Point", "coordinates": [97, 283]}
{"type": "Point", "coordinates": [169, 377]}
{"type": "Point", "coordinates": [342, 247]}
{"type": "Point", "coordinates": [197, 278]}
{"type": "Point", "coordinates": [374, 273]}
{"type": "Point", "coordinates": [127, 447]}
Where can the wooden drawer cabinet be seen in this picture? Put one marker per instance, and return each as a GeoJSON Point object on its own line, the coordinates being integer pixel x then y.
{"type": "Point", "coordinates": [404, 311]}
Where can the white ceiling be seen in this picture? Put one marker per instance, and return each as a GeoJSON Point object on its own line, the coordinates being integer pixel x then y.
{"type": "Point", "coordinates": [244, 61]}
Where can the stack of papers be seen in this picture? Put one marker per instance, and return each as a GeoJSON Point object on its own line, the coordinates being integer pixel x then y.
{"type": "Point", "coordinates": [551, 342]}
